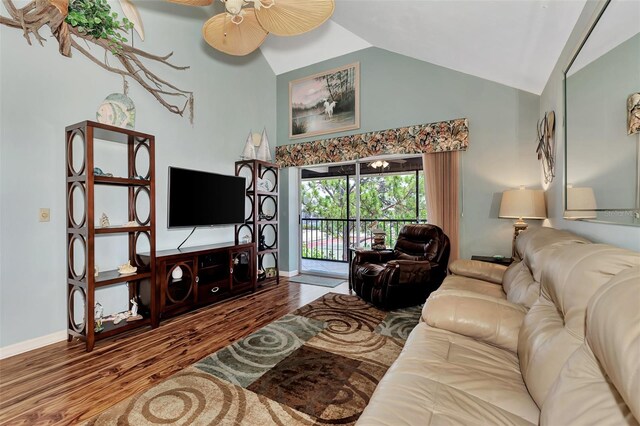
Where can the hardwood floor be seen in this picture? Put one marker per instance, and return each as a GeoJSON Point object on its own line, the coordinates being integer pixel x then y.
{"type": "Point", "coordinates": [62, 384]}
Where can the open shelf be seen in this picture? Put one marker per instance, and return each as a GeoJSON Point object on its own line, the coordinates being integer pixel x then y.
{"type": "Point", "coordinates": [122, 229]}
{"type": "Point", "coordinates": [114, 277]}
{"type": "Point", "coordinates": [111, 329]}
{"type": "Point", "coordinates": [120, 181]}
{"type": "Point", "coordinates": [273, 250]}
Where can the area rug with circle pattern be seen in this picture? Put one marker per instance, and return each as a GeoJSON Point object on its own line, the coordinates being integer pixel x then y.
{"type": "Point", "coordinates": [316, 366]}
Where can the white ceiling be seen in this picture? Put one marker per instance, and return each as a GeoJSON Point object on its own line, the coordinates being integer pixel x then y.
{"type": "Point", "coordinates": [513, 42]}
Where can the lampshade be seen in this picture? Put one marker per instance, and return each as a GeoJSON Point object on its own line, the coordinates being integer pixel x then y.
{"type": "Point", "coordinates": [293, 17]}
{"type": "Point", "coordinates": [523, 204]}
{"type": "Point", "coordinates": [235, 39]}
{"type": "Point", "coordinates": [581, 203]}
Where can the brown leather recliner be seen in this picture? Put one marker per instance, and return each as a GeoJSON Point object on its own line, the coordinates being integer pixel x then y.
{"type": "Point", "coordinates": [406, 275]}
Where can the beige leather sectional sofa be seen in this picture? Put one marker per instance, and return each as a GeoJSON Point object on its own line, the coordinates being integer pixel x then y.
{"type": "Point", "coordinates": [553, 340]}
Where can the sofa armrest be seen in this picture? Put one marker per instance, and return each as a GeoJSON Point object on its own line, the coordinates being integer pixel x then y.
{"type": "Point", "coordinates": [372, 256]}
{"type": "Point", "coordinates": [480, 270]}
{"type": "Point", "coordinates": [491, 320]}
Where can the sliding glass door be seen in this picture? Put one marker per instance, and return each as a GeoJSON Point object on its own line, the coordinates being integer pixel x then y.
{"type": "Point", "coordinates": [340, 206]}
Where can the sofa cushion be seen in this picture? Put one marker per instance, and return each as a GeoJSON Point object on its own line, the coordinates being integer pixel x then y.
{"type": "Point", "coordinates": [491, 320]}
{"type": "Point", "coordinates": [519, 285]}
{"type": "Point", "coordinates": [459, 282]}
{"type": "Point", "coordinates": [484, 271]}
{"type": "Point", "coordinates": [445, 378]}
{"type": "Point", "coordinates": [602, 378]}
{"type": "Point", "coordinates": [554, 328]}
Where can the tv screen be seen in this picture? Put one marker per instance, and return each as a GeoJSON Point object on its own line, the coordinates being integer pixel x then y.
{"type": "Point", "coordinates": [204, 199]}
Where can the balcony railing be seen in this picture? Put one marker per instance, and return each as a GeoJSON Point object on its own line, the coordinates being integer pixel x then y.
{"type": "Point", "coordinates": [330, 239]}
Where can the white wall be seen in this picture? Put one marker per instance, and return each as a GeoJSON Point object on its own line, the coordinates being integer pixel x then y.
{"type": "Point", "coordinates": [396, 91]}
{"type": "Point", "coordinates": [41, 92]}
{"type": "Point", "coordinates": [552, 99]}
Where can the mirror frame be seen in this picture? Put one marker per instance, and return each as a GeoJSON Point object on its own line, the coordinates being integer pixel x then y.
{"type": "Point", "coordinates": [635, 211]}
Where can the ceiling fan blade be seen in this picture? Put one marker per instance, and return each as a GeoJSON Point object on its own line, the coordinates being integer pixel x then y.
{"type": "Point", "coordinates": [192, 2]}
{"type": "Point", "coordinates": [293, 17]}
{"type": "Point", "coordinates": [234, 39]}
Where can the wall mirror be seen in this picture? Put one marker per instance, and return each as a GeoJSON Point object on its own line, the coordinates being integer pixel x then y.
{"type": "Point", "coordinates": [602, 176]}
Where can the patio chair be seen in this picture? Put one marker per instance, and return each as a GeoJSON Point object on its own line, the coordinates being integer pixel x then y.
{"type": "Point", "coordinates": [406, 275]}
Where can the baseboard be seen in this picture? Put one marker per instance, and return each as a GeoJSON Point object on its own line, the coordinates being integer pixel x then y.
{"type": "Point", "coordinates": [29, 345]}
{"type": "Point", "coordinates": [289, 273]}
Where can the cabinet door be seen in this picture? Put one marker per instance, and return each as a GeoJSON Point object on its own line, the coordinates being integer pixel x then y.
{"type": "Point", "coordinates": [179, 285]}
{"type": "Point", "coordinates": [242, 269]}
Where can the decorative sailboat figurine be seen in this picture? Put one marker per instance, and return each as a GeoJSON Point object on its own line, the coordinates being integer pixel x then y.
{"type": "Point", "coordinates": [264, 151]}
{"type": "Point", "coordinates": [249, 152]}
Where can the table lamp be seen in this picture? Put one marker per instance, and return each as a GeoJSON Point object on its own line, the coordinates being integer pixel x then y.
{"type": "Point", "coordinates": [581, 203]}
{"type": "Point", "coordinates": [522, 204]}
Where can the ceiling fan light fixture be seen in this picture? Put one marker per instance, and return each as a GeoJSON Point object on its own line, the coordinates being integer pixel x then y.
{"type": "Point", "coordinates": [232, 37]}
{"type": "Point", "coordinates": [293, 17]}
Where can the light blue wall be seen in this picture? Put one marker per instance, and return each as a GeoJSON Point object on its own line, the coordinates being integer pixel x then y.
{"type": "Point", "coordinates": [42, 92]}
{"type": "Point", "coordinates": [552, 99]}
{"type": "Point", "coordinates": [397, 90]}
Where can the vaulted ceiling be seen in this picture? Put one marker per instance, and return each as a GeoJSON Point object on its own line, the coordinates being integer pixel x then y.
{"type": "Point", "coordinates": [513, 42]}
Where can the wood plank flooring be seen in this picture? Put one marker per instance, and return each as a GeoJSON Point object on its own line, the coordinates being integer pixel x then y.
{"type": "Point", "coordinates": [62, 384]}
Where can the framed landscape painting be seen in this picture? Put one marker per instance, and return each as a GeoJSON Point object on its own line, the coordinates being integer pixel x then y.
{"type": "Point", "coordinates": [327, 102]}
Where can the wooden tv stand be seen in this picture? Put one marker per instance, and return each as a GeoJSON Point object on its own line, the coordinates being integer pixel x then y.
{"type": "Point", "coordinates": [196, 276]}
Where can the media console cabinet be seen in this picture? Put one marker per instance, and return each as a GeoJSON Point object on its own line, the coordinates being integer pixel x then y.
{"type": "Point", "coordinates": [196, 276]}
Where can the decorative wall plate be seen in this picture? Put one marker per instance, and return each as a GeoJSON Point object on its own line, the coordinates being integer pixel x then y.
{"type": "Point", "coordinates": [117, 110]}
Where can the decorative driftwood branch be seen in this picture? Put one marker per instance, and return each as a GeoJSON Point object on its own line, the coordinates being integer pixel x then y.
{"type": "Point", "coordinates": [52, 13]}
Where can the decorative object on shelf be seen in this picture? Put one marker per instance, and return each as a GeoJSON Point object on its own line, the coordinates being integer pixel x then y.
{"type": "Point", "coordinates": [117, 110]}
{"type": "Point", "coordinates": [245, 24]}
{"type": "Point", "coordinates": [249, 152]}
{"type": "Point", "coordinates": [134, 316]}
{"type": "Point", "coordinates": [83, 24]}
{"type": "Point", "coordinates": [97, 171]}
{"type": "Point", "coordinates": [246, 239]}
{"type": "Point", "coordinates": [264, 151]}
{"type": "Point", "coordinates": [270, 272]}
{"type": "Point", "coordinates": [126, 268]}
{"type": "Point", "coordinates": [633, 114]}
{"type": "Point", "coordinates": [264, 185]}
{"type": "Point", "coordinates": [327, 102]}
{"type": "Point", "coordinates": [119, 317]}
{"type": "Point", "coordinates": [138, 177]}
{"type": "Point", "coordinates": [262, 275]}
{"type": "Point", "coordinates": [97, 271]}
{"type": "Point", "coordinates": [177, 273]}
{"type": "Point", "coordinates": [104, 221]}
{"type": "Point", "coordinates": [98, 314]}
{"type": "Point", "coordinates": [443, 136]}
{"type": "Point", "coordinates": [379, 236]}
{"type": "Point", "coordinates": [130, 224]}
{"type": "Point", "coordinates": [263, 244]}
{"type": "Point", "coordinates": [546, 149]}
{"type": "Point", "coordinates": [522, 204]}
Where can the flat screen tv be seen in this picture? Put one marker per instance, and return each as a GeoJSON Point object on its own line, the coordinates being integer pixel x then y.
{"type": "Point", "coordinates": [199, 198]}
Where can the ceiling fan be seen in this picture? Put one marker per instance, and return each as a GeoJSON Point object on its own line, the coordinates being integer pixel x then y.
{"type": "Point", "coordinates": [244, 25]}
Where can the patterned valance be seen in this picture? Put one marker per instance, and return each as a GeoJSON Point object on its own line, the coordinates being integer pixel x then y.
{"type": "Point", "coordinates": [450, 135]}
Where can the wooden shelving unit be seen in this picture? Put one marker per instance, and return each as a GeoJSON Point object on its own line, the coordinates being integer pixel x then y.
{"type": "Point", "coordinates": [82, 231]}
{"type": "Point", "coordinates": [260, 219]}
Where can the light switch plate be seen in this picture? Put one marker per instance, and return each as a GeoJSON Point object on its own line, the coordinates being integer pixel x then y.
{"type": "Point", "coordinates": [45, 215]}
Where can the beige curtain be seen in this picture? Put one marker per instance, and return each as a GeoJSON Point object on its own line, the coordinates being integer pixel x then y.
{"type": "Point", "coordinates": [441, 184]}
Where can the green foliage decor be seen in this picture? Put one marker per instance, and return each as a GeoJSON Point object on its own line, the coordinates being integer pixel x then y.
{"type": "Point", "coordinates": [95, 18]}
